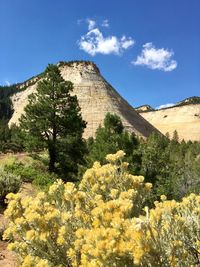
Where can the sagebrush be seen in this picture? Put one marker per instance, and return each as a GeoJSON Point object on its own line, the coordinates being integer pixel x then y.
{"type": "Point", "coordinates": [103, 222]}
{"type": "Point", "coordinates": [8, 183]}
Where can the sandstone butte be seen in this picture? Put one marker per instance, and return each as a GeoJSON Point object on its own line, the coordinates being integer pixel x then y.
{"type": "Point", "coordinates": [95, 95]}
{"type": "Point", "coordinates": [185, 119]}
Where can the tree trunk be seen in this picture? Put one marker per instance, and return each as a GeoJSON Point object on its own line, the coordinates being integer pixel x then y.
{"type": "Point", "coordinates": [52, 157]}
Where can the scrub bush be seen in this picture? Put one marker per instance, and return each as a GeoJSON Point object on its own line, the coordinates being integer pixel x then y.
{"type": "Point", "coordinates": [8, 183]}
{"type": "Point", "coordinates": [103, 223]}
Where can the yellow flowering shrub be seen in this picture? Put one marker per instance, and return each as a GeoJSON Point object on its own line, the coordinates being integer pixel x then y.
{"type": "Point", "coordinates": [170, 233]}
{"type": "Point", "coordinates": [103, 223]}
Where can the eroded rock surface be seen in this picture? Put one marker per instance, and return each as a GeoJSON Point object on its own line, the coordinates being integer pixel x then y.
{"type": "Point", "coordinates": [96, 97]}
{"type": "Point", "coordinates": [184, 119]}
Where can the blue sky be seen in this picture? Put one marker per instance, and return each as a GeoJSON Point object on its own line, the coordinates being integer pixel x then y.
{"type": "Point", "coordinates": [149, 50]}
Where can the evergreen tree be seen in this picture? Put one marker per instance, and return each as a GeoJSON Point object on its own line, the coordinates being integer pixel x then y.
{"type": "Point", "coordinates": [52, 120]}
{"type": "Point", "coordinates": [155, 157]}
{"type": "Point", "coordinates": [16, 139]}
{"type": "Point", "coordinates": [6, 108]}
{"type": "Point", "coordinates": [5, 135]}
{"type": "Point", "coordinates": [175, 137]}
{"type": "Point", "coordinates": [185, 170]}
{"type": "Point", "coordinates": [109, 139]}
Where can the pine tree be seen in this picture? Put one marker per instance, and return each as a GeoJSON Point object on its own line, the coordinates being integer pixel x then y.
{"type": "Point", "coordinates": [154, 157]}
{"type": "Point", "coordinates": [110, 138]}
{"type": "Point", "coordinates": [52, 121]}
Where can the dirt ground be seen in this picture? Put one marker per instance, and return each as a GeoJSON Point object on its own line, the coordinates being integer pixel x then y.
{"type": "Point", "coordinates": [7, 258]}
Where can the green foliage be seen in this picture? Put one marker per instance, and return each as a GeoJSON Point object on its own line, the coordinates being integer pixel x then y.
{"type": "Point", "coordinates": [6, 109]}
{"type": "Point", "coordinates": [109, 139]}
{"type": "Point", "coordinates": [34, 172]}
{"type": "Point", "coordinates": [5, 135]}
{"type": "Point", "coordinates": [154, 156]}
{"type": "Point", "coordinates": [11, 139]}
{"type": "Point", "coordinates": [8, 137]}
{"type": "Point", "coordinates": [8, 183]}
{"type": "Point", "coordinates": [27, 173]}
{"type": "Point", "coordinates": [173, 167]}
{"type": "Point", "coordinates": [43, 180]}
{"type": "Point", "coordinates": [185, 171]}
{"type": "Point", "coordinates": [190, 100]}
{"type": "Point", "coordinates": [53, 121]}
{"type": "Point", "coordinates": [113, 124]}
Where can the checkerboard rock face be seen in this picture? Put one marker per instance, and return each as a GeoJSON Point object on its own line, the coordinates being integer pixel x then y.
{"type": "Point", "coordinates": [96, 97]}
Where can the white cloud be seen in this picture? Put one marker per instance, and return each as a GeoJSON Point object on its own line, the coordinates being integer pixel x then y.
{"type": "Point", "coordinates": [91, 24]}
{"type": "Point", "coordinates": [105, 23]}
{"type": "Point", "coordinates": [94, 42]}
{"type": "Point", "coordinates": [127, 42]}
{"type": "Point", "coordinates": [153, 58]}
{"type": "Point", "coordinates": [165, 106]}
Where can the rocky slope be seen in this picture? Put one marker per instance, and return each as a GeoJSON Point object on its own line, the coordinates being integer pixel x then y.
{"type": "Point", "coordinates": [183, 117]}
{"type": "Point", "coordinates": [96, 97]}
{"type": "Point", "coordinates": [144, 108]}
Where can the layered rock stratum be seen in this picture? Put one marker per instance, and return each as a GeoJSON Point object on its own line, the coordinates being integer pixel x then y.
{"type": "Point", "coordinates": [95, 95]}
{"type": "Point", "coordinates": [184, 118]}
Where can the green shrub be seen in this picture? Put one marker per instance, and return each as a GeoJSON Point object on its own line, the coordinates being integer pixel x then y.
{"type": "Point", "coordinates": [8, 183]}
{"type": "Point", "coordinates": [8, 160]}
{"type": "Point", "coordinates": [34, 174]}
{"type": "Point", "coordinates": [27, 173]}
{"type": "Point", "coordinates": [44, 180]}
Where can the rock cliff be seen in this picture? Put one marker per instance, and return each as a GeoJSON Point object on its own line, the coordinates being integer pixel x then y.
{"type": "Point", "coordinates": [95, 95]}
{"type": "Point", "coordinates": [184, 118]}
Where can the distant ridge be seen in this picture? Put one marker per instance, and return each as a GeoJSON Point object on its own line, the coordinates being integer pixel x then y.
{"type": "Point", "coordinates": [144, 108]}
{"type": "Point", "coordinates": [188, 101]}
{"type": "Point", "coordinates": [184, 117]}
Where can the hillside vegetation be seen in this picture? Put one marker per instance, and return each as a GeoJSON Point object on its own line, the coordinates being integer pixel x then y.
{"type": "Point", "coordinates": [188, 101]}
{"type": "Point", "coordinates": [5, 101]}
{"type": "Point", "coordinates": [112, 200]}
{"type": "Point", "coordinates": [103, 222]}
